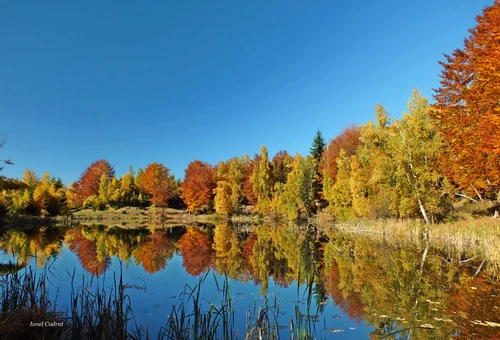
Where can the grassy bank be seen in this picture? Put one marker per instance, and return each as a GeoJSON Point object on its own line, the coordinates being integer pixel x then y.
{"type": "Point", "coordinates": [131, 217]}
{"type": "Point", "coordinates": [463, 238]}
{"type": "Point", "coordinates": [159, 216]}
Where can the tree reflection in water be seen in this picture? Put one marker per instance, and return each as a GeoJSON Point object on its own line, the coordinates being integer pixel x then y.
{"type": "Point", "coordinates": [411, 290]}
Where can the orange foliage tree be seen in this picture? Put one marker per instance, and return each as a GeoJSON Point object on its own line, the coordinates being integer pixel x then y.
{"type": "Point", "coordinates": [347, 140]}
{"type": "Point", "coordinates": [158, 183]}
{"type": "Point", "coordinates": [196, 251]}
{"type": "Point", "coordinates": [198, 185]}
{"type": "Point", "coordinates": [88, 184]}
{"type": "Point", "coordinates": [467, 108]}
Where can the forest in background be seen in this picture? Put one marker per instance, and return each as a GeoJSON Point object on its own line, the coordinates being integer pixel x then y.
{"type": "Point", "coordinates": [414, 167]}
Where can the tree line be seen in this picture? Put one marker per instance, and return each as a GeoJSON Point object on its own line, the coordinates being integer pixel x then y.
{"type": "Point", "coordinates": [415, 166]}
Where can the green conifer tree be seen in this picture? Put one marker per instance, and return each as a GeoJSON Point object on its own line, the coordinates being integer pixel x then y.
{"type": "Point", "coordinates": [318, 146]}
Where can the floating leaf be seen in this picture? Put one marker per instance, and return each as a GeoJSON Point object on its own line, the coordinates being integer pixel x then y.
{"type": "Point", "coordinates": [433, 302]}
{"type": "Point", "coordinates": [427, 325]}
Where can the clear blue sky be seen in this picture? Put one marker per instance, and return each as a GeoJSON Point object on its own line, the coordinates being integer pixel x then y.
{"type": "Point", "coordinates": [136, 82]}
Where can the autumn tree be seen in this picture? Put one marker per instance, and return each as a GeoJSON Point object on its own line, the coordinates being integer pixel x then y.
{"type": "Point", "coordinates": [467, 109]}
{"type": "Point", "coordinates": [339, 194]}
{"type": "Point", "coordinates": [247, 185]}
{"type": "Point", "coordinates": [231, 177]}
{"type": "Point", "coordinates": [222, 200]}
{"type": "Point", "coordinates": [307, 170]}
{"type": "Point", "coordinates": [281, 165]}
{"type": "Point", "coordinates": [198, 185]}
{"type": "Point", "coordinates": [19, 201]}
{"type": "Point", "coordinates": [295, 198]}
{"type": "Point", "coordinates": [114, 193]}
{"type": "Point", "coordinates": [88, 184]}
{"type": "Point", "coordinates": [128, 189]}
{"type": "Point", "coordinates": [16, 197]}
{"type": "Point", "coordinates": [372, 169]}
{"type": "Point", "coordinates": [348, 140]}
{"type": "Point", "coordinates": [30, 179]}
{"type": "Point", "coordinates": [416, 144]}
{"type": "Point", "coordinates": [103, 188]}
{"type": "Point", "coordinates": [158, 183]}
{"type": "Point", "coordinates": [49, 196]}
{"type": "Point", "coordinates": [138, 179]}
{"type": "Point", "coordinates": [138, 182]}
{"type": "Point", "coordinates": [262, 183]}
{"type": "Point", "coordinates": [395, 172]}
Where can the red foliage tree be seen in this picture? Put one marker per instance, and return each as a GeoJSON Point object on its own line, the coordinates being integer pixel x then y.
{"type": "Point", "coordinates": [467, 108]}
{"type": "Point", "coordinates": [158, 182]}
{"type": "Point", "coordinates": [198, 185]}
{"type": "Point", "coordinates": [347, 140]}
{"type": "Point", "coordinates": [88, 184]}
{"type": "Point", "coordinates": [196, 251]}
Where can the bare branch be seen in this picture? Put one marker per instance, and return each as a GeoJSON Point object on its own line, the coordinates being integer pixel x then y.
{"type": "Point", "coordinates": [465, 196]}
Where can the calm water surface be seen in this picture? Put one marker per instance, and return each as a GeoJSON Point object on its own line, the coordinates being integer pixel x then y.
{"type": "Point", "coordinates": [361, 287]}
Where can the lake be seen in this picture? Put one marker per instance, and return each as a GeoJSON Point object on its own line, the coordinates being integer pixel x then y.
{"type": "Point", "coordinates": [332, 285]}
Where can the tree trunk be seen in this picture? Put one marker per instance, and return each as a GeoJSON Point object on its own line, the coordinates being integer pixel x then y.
{"type": "Point", "coordinates": [422, 209]}
{"type": "Point", "coordinates": [477, 193]}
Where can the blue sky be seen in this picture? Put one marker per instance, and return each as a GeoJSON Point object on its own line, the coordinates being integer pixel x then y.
{"type": "Point", "coordinates": [163, 81]}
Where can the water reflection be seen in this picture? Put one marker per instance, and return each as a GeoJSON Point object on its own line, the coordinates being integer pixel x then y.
{"type": "Point", "coordinates": [45, 243]}
{"type": "Point", "coordinates": [398, 291]}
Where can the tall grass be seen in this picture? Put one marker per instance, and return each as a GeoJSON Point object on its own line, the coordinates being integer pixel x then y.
{"type": "Point", "coordinates": [100, 312]}
{"type": "Point", "coordinates": [95, 311]}
{"type": "Point", "coordinates": [470, 236]}
{"type": "Point", "coordinates": [196, 318]}
{"type": "Point", "coordinates": [24, 300]}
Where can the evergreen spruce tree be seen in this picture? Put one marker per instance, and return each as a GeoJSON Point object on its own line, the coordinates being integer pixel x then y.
{"type": "Point", "coordinates": [317, 149]}
{"type": "Point", "coordinates": [318, 146]}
